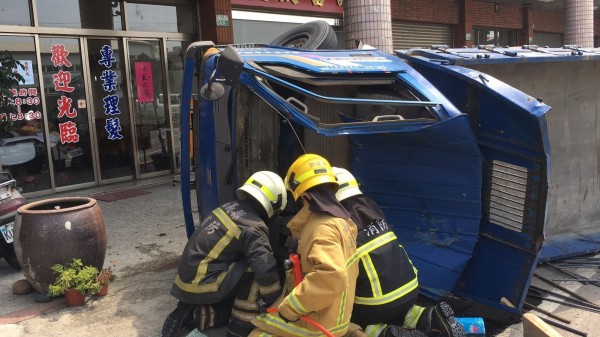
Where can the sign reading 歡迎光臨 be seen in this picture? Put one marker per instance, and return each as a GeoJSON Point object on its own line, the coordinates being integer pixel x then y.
{"type": "Point", "coordinates": [111, 101]}
{"type": "Point", "coordinates": [332, 7]}
{"type": "Point", "coordinates": [62, 83]}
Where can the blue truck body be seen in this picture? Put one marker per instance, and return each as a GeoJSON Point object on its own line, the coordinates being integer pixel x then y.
{"type": "Point", "coordinates": [566, 78]}
{"type": "Point", "coordinates": [461, 173]}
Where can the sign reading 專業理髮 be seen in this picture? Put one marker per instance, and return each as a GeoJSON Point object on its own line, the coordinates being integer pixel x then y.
{"type": "Point", "coordinates": [111, 100]}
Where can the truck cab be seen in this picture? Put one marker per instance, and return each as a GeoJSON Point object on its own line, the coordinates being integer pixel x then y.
{"type": "Point", "coordinates": [411, 149]}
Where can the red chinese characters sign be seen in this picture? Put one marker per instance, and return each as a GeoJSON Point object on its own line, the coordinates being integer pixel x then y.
{"type": "Point", "coordinates": [143, 79]}
{"type": "Point", "coordinates": [332, 7]}
{"type": "Point", "coordinates": [62, 81]}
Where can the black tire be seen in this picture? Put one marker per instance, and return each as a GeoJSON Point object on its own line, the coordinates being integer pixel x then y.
{"type": "Point", "coordinates": [8, 252]}
{"type": "Point", "coordinates": [13, 262]}
{"type": "Point", "coordinates": [310, 36]}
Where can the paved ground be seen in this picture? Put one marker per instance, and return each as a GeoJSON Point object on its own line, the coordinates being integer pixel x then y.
{"type": "Point", "coordinates": [145, 238]}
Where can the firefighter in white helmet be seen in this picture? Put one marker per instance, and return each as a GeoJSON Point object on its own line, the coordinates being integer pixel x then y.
{"type": "Point", "coordinates": [228, 264]}
{"type": "Point", "coordinates": [387, 286]}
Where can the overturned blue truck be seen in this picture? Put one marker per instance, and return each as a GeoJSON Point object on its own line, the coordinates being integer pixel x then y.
{"type": "Point", "coordinates": [458, 160]}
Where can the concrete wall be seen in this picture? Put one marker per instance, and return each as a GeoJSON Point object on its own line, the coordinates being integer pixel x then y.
{"type": "Point", "coordinates": [571, 90]}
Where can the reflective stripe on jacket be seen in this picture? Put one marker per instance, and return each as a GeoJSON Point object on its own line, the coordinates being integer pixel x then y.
{"type": "Point", "coordinates": [326, 293]}
{"type": "Point", "coordinates": [229, 240]}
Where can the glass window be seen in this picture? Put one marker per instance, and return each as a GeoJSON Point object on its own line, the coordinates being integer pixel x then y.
{"type": "Point", "coordinates": [490, 36]}
{"type": "Point", "coordinates": [58, 13]}
{"type": "Point", "coordinates": [79, 14]}
{"type": "Point", "coordinates": [15, 13]}
{"type": "Point", "coordinates": [158, 18]}
{"type": "Point", "coordinates": [67, 112]}
{"type": "Point", "coordinates": [176, 57]}
{"type": "Point", "coordinates": [22, 138]}
{"type": "Point", "coordinates": [111, 111]}
{"type": "Point", "coordinates": [149, 113]}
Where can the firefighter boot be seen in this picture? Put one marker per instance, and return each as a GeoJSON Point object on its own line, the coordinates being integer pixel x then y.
{"type": "Point", "coordinates": [181, 317]}
{"type": "Point", "coordinates": [238, 328]}
{"type": "Point", "coordinates": [400, 331]}
{"type": "Point", "coordinates": [440, 318]}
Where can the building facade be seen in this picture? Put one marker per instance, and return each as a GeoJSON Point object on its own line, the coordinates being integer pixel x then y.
{"type": "Point", "coordinates": [100, 101]}
{"type": "Point", "coordinates": [422, 23]}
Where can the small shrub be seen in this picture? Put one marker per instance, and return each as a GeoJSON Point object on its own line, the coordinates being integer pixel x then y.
{"type": "Point", "coordinates": [74, 275]}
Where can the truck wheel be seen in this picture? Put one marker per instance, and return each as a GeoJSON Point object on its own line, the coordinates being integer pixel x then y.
{"type": "Point", "coordinates": [311, 35]}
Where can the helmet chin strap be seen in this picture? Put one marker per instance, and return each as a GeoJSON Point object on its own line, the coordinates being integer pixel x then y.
{"type": "Point", "coordinates": [277, 204]}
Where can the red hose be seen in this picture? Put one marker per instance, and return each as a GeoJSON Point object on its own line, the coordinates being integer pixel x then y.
{"type": "Point", "coordinates": [309, 321]}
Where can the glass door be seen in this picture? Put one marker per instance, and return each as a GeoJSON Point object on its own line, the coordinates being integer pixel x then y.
{"type": "Point", "coordinates": [112, 121]}
{"type": "Point", "coordinates": [148, 104]}
{"type": "Point", "coordinates": [23, 141]}
{"type": "Point", "coordinates": [66, 106]}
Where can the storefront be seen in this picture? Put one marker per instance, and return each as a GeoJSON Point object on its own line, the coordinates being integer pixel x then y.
{"type": "Point", "coordinates": [408, 35]}
{"type": "Point", "coordinates": [261, 22]}
{"type": "Point", "coordinates": [100, 100]}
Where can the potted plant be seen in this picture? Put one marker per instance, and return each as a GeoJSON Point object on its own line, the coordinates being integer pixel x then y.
{"type": "Point", "coordinates": [75, 281]}
{"type": "Point", "coordinates": [104, 278]}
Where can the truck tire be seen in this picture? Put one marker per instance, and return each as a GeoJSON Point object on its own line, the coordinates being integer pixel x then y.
{"type": "Point", "coordinates": [310, 36]}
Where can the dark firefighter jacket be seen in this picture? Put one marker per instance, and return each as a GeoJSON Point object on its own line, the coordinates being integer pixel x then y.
{"type": "Point", "coordinates": [229, 240]}
{"type": "Point", "coordinates": [386, 274]}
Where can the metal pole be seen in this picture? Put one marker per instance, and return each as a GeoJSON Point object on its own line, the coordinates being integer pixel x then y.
{"type": "Point", "coordinates": [563, 289]}
{"type": "Point", "coordinates": [545, 312]}
{"type": "Point", "coordinates": [564, 327]}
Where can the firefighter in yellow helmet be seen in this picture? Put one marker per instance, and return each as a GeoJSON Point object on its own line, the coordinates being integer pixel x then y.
{"type": "Point", "coordinates": [387, 286]}
{"type": "Point", "coordinates": [326, 239]}
{"type": "Point", "coordinates": [227, 265]}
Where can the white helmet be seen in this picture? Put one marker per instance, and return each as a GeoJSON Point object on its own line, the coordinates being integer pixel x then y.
{"type": "Point", "coordinates": [348, 184]}
{"type": "Point", "coordinates": [268, 188]}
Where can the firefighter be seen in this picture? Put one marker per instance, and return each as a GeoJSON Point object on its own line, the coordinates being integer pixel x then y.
{"type": "Point", "coordinates": [227, 265]}
{"type": "Point", "coordinates": [326, 239]}
{"type": "Point", "coordinates": [387, 287]}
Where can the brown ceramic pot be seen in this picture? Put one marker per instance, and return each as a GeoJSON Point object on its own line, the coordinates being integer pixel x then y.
{"type": "Point", "coordinates": [56, 231]}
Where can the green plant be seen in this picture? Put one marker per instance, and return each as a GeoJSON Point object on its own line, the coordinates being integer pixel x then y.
{"type": "Point", "coordinates": [74, 275]}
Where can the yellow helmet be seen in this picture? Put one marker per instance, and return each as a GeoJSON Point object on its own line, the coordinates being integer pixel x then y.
{"type": "Point", "coordinates": [348, 184]}
{"type": "Point", "coordinates": [211, 51]}
{"type": "Point", "coordinates": [307, 171]}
